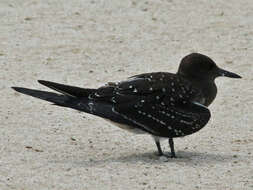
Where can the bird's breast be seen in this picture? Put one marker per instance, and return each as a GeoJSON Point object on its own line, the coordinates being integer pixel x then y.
{"type": "Point", "coordinates": [207, 93]}
{"type": "Point", "coordinates": [200, 100]}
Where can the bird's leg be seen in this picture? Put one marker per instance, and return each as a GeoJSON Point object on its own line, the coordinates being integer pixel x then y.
{"type": "Point", "coordinates": [171, 143]}
{"type": "Point", "coordinates": [160, 152]}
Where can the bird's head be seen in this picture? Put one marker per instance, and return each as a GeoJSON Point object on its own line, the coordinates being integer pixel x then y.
{"type": "Point", "coordinates": [202, 67]}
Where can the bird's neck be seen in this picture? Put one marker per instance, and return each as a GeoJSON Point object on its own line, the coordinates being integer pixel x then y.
{"type": "Point", "coordinates": [207, 87]}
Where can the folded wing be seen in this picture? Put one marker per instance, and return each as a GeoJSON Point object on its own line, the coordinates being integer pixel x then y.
{"type": "Point", "coordinates": [161, 104]}
{"type": "Point", "coordinates": [158, 103]}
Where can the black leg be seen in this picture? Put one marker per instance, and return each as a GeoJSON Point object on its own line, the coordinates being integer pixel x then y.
{"type": "Point", "coordinates": [160, 152]}
{"type": "Point", "coordinates": [171, 143]}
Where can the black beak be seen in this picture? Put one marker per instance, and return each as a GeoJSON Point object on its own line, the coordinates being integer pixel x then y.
{"type": "Point", "coordinates": [225, 73]}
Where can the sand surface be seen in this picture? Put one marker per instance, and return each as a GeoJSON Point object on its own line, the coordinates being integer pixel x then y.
{"type": "Point", "coordinates": [89, 42]}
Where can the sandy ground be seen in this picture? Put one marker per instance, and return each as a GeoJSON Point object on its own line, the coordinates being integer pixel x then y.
{"type": "Point", "coordinates": [87, 43]}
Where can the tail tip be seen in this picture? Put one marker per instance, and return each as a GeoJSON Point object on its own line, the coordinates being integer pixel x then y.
{"type": "Point", "coordinates": [16, 88]}
{"type": "Point", "coordinates": [42, 81]}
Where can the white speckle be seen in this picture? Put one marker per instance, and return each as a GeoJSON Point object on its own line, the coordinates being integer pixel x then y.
{"type": "Point", "coordinates": [173, 89]}
{"type": "Point", "coordinates": [186, 122]}
{"type": "Point", "coordinates": [135, 90]}
{"type": "Point", "coordinates": [180, 95]}
{"type": "Point", "coordinates": [169, 127]}
{"type": "Point", "coordinates": [130, 86]}
{"type": "Point", "coordinates": [163, 123]}
{"type": "Point", "coordinates": [141, 112]}
{"type": "Point", "coordinates": [90, 97]}
{"type": "Point", "coordinates": [97, 95]}
{"type": "Point", "coordinates": [161, 79]}
{"type": "Point", "coordinates": [149, 115]}
{"type": "Point", "coordinates": [172, 99]}
{"type": "Point", "coordinates": [172, 83]}
{"type": "Point", "coordinates": [91, 108]}
{"type": "Point", "coordinates": [151, 76]}
{"type": "Point", "coordinates": [153, 107]}
{"type": "Point", "coordinates": [157, 97]}
{"type": "Point", "coordinates": [113, 99]}
{"type": "Point", "coordinates": [150, 88]}
{"type": "Point", "coordinates": [172, 117]}
{"type": "Point", "coordinates": [142, 101]}
{"type": "Point", "coordinates": [162, 103]}
{"type": "Point", "coordinates": [163, 89]}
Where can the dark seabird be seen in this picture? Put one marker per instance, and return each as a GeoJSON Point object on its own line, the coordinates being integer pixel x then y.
{"type": "Point", "coordinates": [161, 104]}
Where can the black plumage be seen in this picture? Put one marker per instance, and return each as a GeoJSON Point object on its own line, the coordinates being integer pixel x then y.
{"type": "Point", "coordinates": [161, 104]}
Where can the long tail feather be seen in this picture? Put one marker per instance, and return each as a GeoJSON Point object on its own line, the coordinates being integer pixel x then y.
{"type": "Point", "coordinates": [44, 95]}
{"type": "Point", "coordinates": [81, 104]}
{"type": "Point", "coordinates": [68, 90]}
{"type": "Point", "coordinates": [101, 109]}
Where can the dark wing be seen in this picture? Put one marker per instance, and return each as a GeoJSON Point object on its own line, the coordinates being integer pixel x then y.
{"type": "Point", "coordinates": [165, 121]}
{"type": "Point", "coordinates": [160, 103]}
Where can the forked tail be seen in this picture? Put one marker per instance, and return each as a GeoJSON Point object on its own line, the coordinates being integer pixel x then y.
{"type": "Point", "coordinates": [73, 97]}
{"type": "Point", "coordinates": [72, 91]}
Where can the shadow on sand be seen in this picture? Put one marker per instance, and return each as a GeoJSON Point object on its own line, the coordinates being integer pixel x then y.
{"type": "Point", "coordinates": [183, 158]}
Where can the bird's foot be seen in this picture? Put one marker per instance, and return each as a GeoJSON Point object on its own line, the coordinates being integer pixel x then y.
{"type": "Point", "coordinates": [173, 155]}
{"type": "Point", "coordinates": [165, 157]}
{"type": "Point", "coordinates": [159, 154]}
{"type": "Point", "coordinates": [162, 157]}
